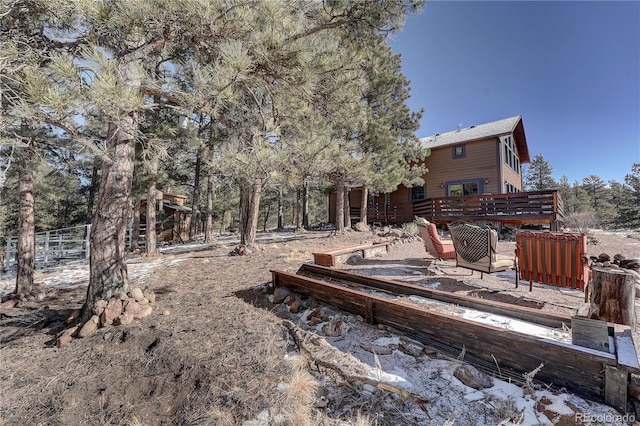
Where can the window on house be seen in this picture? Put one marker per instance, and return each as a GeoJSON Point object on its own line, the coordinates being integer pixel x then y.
{"type": "Point", "coordinates": [511, 154]}
{"type": "Point", "coordinates": [459, 151]}
{"type": "Point", "coordinates": [417, 193]}
{"type": "Point", "coordinates": [460, 189]}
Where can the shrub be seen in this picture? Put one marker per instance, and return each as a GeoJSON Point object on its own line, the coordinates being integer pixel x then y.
{"type": "Point", "coordinates": [581, 221]}
{"type": "Point", "coordinates": [410, 228]}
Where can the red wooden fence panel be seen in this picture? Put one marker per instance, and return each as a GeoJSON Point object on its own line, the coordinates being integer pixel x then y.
{"type": "Point", "coordinates": [555, 258]}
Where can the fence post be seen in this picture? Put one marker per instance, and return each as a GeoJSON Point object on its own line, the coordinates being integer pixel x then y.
{"type": "Point", "coordinates": [46, 247]}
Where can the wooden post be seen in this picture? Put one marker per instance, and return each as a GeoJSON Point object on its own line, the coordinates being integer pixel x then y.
{"type": "Point", "coordinates": [613, 294]}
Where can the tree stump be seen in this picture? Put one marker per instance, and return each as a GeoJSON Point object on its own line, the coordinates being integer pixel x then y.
{"type": "Point", "coordinates": [613, 294]}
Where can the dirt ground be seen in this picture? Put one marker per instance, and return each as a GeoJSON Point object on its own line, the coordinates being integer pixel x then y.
{"type": "Point", "coordinates": [215, 351]}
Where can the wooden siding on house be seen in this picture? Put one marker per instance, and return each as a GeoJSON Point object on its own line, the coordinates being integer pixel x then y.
{"type": "Point", "coordinates": [480, 162]}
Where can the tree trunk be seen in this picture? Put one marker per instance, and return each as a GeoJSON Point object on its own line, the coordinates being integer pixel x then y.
{"type": "Point", "coordinates": [108, 269]}
{"type": "Point", "coordinates": [613, 294]}
{"type": "Point", "coordinates": [150, 235]}
{"type": "Point", "coordinates": [265, 217]}
{"type": "Point", "coordinates": [223, 218]}
{"type": "Point", "coordinates": [195, 199]}
{"type": "Point", "coordinates": [250, 209]}
{"type": "Point", "coordinates": [339, 207]}
{"type": "Point", "coordinates": [298, 211]}
{"type": "Point", "coordinates": [347, 208]}
{"type": "Point", "coordinates": [92, 189]}
{"type": "Point", "coordinates": [26, 230]}
{"type": "Point", "coordinates": [208, 229]}
{"type": "Point", "coordinates": [280, 211]}
{"type": "Point", "coordinates": [135, 229]}
{"type": "Point", "coordinates": [305, 205]}
{"type": "Point", "coordinates": [364, 207]}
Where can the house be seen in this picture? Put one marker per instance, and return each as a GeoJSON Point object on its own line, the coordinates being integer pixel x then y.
{"type": "Point", "coordinates": [484, 159]}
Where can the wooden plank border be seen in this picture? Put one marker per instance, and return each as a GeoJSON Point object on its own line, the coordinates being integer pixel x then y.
{"type": "Point", "coordinates": [532, 315]}
{"type": "Point", "coordinates": [333, 257]}
{"type": "Point", "coordinates": [580, 370]}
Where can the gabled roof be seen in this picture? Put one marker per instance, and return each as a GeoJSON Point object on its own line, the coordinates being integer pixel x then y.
{"type": "Point", "coordinates": [512, 125]}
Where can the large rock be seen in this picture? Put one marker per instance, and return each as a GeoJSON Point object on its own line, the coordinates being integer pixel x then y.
{"type": "Point", "coordinates": [111, 312]}
{"type": "Point", "coordinates": [131, 307]}
{"type": "Point", "coordinates": [65, 338]}
{"type": "Point", "coordinates": [279, 294]}
{"type": "Point", "coordinates": [89, 327]}
{"type": "Point", "coordinates": [473, 378]}
{"type": "Point", "coordinates": [137, 294]}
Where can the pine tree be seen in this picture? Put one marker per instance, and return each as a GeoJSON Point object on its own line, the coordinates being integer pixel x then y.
{"type": "Point", "coordinates": [630, 205]}
{"type": "Point", "coordinates": [599, 198]}
{"type": "Point", "coordinates": [539, 175]}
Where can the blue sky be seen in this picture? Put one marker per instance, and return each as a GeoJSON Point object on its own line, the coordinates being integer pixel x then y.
{"type": "Point", "coordinates": [571, 69]}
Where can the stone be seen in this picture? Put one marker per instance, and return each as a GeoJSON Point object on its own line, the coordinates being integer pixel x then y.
{"type": "Point", "coordinates": [144, 312]}
{"type": "Point", "coordinates": [375, 349]}
{"type": "Point", "coordinates": [337, 328]}
{"type": "Point", "coordinates": [136, 294]}
{"type": "Point", "coordinates": [124, 319]}
{"type": "Point", "coordinates": [314, 321]}
{"type": "Point", "coordinates": [295, 306]}
{"type": "Point", "coordinates": [472, 377]}
{"type": "Point", "coordinates": [131, 307]}
{"type": "Point", "coordinates": [121, 295]}
{"type": "Point", "coordinates": [10, 303]}
{"type": "Point", "coordinates": [411, 348]}
{"type": "Point", "coordinates": [166, 312]}
{"type": "Point", "coordinates": [40, 296]}
{"type": "Point", "coordinates": [279, 294]}
{"type": "Point", "coordinates": [150, 296]}
{"type": "Point", "coordinates": [99, 307]}
{"type": "Point", "coordinates": [89, 327]}
{"type": "Point", "coordinates": [111, 312]}
{"type": "Point", "coordinates": [288, 300]}
{"type": "Point", "coordinates": [65, 338]}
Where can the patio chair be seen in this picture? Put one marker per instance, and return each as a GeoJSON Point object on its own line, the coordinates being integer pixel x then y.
{"type": "Point", "coordinates": [432, 243]}
{"type": "Point", "coordinates": [476, 249]}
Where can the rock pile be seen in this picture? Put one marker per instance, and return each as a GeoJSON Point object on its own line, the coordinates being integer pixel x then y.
{"type": "Point", "coordinates": [38, 294]}
{"type": "Point", "coordinates": [121, 309]}
{"type": "Point", "coordinates": [619, 261]}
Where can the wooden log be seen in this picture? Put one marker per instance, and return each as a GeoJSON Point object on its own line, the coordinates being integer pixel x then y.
{"type": "Point", "coordinates": [613, 294]}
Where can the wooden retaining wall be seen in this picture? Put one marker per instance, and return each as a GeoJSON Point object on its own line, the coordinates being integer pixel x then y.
{"type": "Point", "coordinates": [591, 373]}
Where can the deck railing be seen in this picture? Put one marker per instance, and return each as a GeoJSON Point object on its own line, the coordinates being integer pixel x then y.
{"type": "Point", "coordinates": [538, 207]}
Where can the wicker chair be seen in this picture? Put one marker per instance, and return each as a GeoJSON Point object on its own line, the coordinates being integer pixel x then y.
{"type": "Point", "coordinates": [476, 249]}
{"type": "Point", "coordinates": [432, 243]}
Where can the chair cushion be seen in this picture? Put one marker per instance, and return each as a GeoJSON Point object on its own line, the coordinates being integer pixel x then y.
{"type": "Point", "coordinates": [435, 238]}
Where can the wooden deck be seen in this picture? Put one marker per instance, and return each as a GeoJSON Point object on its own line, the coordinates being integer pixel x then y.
{"type": "Point", "coordinates": [522, 208]}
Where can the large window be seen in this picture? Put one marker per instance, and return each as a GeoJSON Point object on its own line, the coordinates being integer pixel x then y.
{"type": "Point", "coordinates": [417, 193]}
{"type": "Point", "coordinates": [458, 189]}
{"type": "Point", "coordinates": [511, 154]}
